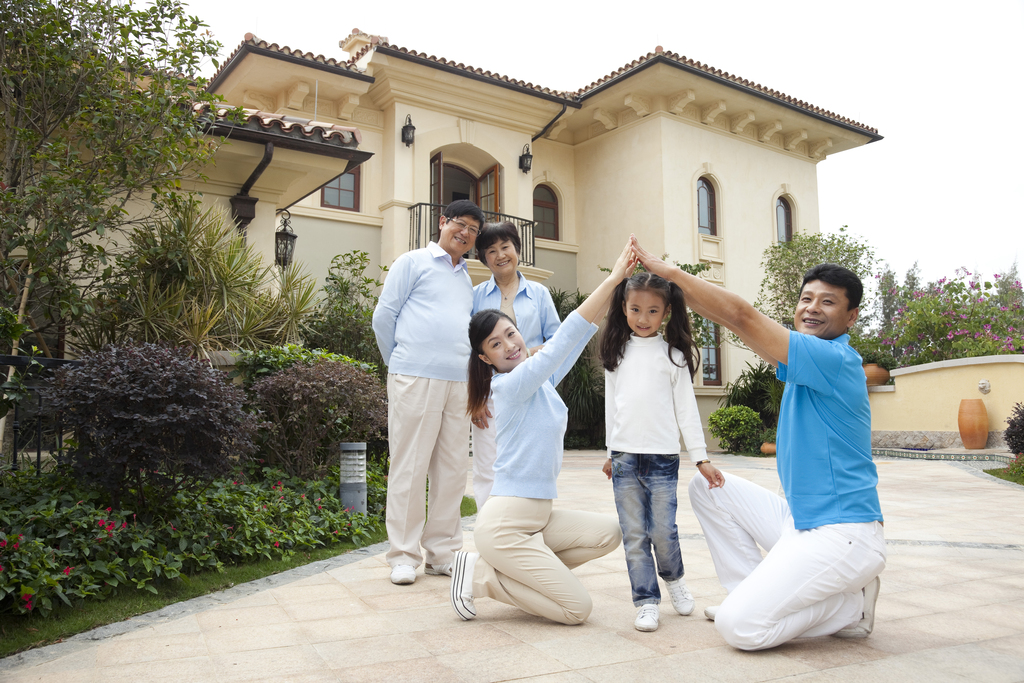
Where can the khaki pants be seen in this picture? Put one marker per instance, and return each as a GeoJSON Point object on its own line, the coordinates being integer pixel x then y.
{"type": "Point", "coordinates": [428, 431]}
{"type": "Point", "coordinates": [526, 552]}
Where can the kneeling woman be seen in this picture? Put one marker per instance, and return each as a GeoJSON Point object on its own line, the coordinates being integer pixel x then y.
{"type": "Point", "coordinates": [526, 548]}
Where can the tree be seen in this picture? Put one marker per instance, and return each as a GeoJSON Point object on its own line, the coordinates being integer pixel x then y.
{"type": "Point", "coordinates": [98, 104]}
{"type": "Point", "coordinates": [785, 263]}
{"type": "Point", "coordinates": [892, 297]}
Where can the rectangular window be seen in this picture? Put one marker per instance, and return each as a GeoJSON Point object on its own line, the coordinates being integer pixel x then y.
{"type": "Point", "coordinates": [710, 358]}
{"type": "Point", "coordinates": [342, 192]}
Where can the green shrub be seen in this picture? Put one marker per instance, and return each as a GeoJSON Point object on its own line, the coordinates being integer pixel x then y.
{"type": "Point", "coordinates": [254, 365]}
{"type": "Point", "coordinates": [310, 409]}
{"type": "Point", "coordinates": [1014, 434]}
{"type": "Point", "coordinates": [343, 322]}
{"type": "Point", "coordinates": [59, 544]}
{"type": "Point", "coordinates": [149, 421]}
{"type": "Point", "coordinates": [738, 427]}
{"type": "Point", "coordinates": [582, 388]}
{"type": "Point", "coordinates": [758, 389]}
{"type": "Point", "coordinates": [768, 435]}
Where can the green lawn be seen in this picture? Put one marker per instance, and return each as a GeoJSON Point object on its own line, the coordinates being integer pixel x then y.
{"type": "Point", "coordinates": [19, 633]}
{"type": "Point", "coordinates": [1004, 473]}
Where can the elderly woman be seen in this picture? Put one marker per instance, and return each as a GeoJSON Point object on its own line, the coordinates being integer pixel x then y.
{"type": "Point", "coordinates": [531, 309]}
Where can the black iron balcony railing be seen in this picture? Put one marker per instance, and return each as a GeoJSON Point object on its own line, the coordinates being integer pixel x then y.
{"type": "Point", "coordinates": [424, 226]}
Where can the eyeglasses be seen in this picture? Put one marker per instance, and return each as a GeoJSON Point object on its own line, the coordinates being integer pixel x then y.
{"type": "Point", "coordinates": [468, 228]}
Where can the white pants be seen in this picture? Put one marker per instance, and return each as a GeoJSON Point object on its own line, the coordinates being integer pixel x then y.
{"type": "Point", "coordinates": [808, 585]}
{"type": "Point", "coordinates": [428, 436]}
{"type": "Point", "coordinates": [485, 450]}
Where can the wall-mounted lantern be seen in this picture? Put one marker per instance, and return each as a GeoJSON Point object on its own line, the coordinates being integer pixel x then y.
{"type": "Point", "coordinates": [526, 159]}
{"type": "Point", "coordinates": [408, 131]}
{"type": "Point", "coordinates": [284, 241]}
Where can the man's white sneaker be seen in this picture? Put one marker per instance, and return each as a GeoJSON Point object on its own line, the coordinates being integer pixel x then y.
{"type": "Point", "coordinates": [462, 584]}
{"type": "Point", "coordinates": [403, 574]}
{"type": "Point", "coordinates": [438, 569]}
{"type": "Point", "coordinates": [710, 611]}
{"type": "Point", "coordinates": [681, 598]}
{"type": "Point", "coordinates": [647, 618]}
{"type": "Point", "coordinates": [863, 628]}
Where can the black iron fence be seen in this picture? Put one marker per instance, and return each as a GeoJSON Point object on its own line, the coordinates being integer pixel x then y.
{"type": "Point", "coordinates": [424, 226]}
{"type": "Point", "coordinates": [31, 423]}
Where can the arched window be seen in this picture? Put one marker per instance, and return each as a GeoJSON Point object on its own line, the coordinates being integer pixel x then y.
{"type": "Point", "coordinates": [784, 220]}
{"type": "Point", "coordinates": [706, 209]}
{"type": "Point", "coordinates": [545, 213]}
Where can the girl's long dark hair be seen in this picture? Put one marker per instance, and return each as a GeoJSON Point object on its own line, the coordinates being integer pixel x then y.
{"type": "Point", "coordinates": [480, 327]}
{"type": "Point", "coordinates": [677, 330]}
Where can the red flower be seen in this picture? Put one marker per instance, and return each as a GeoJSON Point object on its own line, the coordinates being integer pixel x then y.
{"type": "Point", "coordinates": [28, 606]}
{"type": "Point", "coordinates": [16, 545]}
{"type": "Point", "coordinates": [102, 522]}
{"type": "Point", "coordinates": [67, 571]}
{"type": "Point", "coordinates": [108, 509]}
{"type": "Point", "coordinates": [111, 525]}
{"type": "Point", "coordinates": [276, 543]}
{"type": "Point", "coordinates": [124, 524]}
{"type": "Point", "coordinates": [3, 544]}
{"type": "Point", "coordinates": [26, 597]}
{"type": "Point", "coordinates": [234, 483]}
{"type": "Point", "coordinates": [1, 567]}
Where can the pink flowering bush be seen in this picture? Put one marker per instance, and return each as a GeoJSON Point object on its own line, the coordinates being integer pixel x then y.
{"type": "Point", "coordinates": [61, 543]}
{"type": "Point", "coordinates": [961, 317]}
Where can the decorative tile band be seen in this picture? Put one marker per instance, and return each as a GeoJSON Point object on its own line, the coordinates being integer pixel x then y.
{"type": "Point", "coordinates": [934, 455]}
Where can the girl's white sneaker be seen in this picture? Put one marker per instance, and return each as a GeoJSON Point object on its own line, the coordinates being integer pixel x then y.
{"type": "Point", "coordinates": [647, 618]}
{"type": "Point", "coordinates": [681, 598]}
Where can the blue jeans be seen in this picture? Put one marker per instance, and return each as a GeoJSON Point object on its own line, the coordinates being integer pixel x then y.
{"type": "Point", "coordinates": [645, 497]}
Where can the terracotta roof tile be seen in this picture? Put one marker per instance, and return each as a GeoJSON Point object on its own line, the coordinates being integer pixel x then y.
{"type": "Point", "coordinates": [253, 41]}
{"type": "Point", "coordinates": [579, 94]}
{"type": "Point", "coordinates": [290, 126]}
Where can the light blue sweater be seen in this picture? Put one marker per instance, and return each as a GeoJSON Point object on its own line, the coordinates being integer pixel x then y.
{"type": "Point", "coordinates": [531, 416]}
{"type": "Point", "coordinates": [536, 316]}
{"type": "Point", "coordinates": [423, 314]}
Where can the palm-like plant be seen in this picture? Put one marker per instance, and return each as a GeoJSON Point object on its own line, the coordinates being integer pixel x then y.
{"type": "Point", "coordinates": [582, 389]}
{"type": "Point", "coordinates": [189, 279]}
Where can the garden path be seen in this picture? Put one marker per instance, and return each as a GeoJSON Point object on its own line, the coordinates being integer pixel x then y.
{"type": "Point", "coordinates": [951, 609]}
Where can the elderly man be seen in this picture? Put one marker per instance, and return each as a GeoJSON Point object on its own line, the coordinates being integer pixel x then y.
{"type": "Point", "coordinates": [421, 323]}
{"type": "Point", "coordinates": [824, 540]}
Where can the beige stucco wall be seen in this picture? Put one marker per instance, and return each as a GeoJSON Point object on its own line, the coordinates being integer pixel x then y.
{"type": "Point", "coordinates": [927, 397]}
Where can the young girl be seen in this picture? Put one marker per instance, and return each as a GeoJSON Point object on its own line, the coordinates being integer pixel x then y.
{"type": "Point", "coordinates": [527, 549]}
{"type": "Point", "coordinates": [648, 401]}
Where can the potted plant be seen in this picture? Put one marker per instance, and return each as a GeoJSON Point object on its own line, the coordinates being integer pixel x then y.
{"type": "Point", "coordinates": [877, 365]}
{"type": "Point", "coordinates": [768, 441]}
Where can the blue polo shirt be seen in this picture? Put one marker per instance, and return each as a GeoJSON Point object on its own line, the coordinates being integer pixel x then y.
{"type": "Point", "coordinates": [824, 434]}
{"type": "Point", "coordinates": [536, 316]}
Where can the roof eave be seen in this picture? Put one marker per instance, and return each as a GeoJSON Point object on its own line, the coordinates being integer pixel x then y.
{"type": "Point", "coordinates": [659, 59]}
{"type": "Point", "coordinates": [262, 136]}
{"type": "Point", "coordinates": [391, 52]}
{"type": "Point", "coordinates": [248, 48]}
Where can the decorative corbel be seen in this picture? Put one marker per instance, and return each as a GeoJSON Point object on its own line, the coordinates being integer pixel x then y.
{"type": "Point", "coordinates": [638, 103]}
{"type": "Point", "coordinates": [677, 103]}
{"type": "Point", "coordinates": [739, 122]}
{"type": "Point", "coordinates": [818, 148]}
{"type": "Point", "coordinates": [346, 105]}
{"type": "Point", "coordinates": [296, 96]}
{"type": "Point", "coordinates": [708, 113]}
{"type": "Point", "coordinates": [794, 139]}
{"type": "Point", "coordinates": [607, 120]}
{"type": "Point", "coordinates": [260, 101]}
{"type": "Point", "coordinates": [765, 132]}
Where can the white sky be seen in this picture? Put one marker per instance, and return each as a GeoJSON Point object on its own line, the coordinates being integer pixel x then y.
{"type": "Point", "coordinates": [941, 81]}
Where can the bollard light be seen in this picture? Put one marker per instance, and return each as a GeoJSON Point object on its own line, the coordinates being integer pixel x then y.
{"type": "Point", "coordinates": [353, 477]}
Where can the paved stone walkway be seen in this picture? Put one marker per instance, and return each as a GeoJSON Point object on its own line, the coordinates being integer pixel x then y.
{"type": "Point", "coordinates": [951, 609]}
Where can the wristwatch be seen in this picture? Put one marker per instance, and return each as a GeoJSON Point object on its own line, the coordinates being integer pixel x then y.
{"type": "Point", "coordinates": [698, 464]}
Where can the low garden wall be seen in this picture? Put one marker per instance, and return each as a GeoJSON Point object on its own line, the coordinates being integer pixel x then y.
{"type": "Point", "coordinates": [920, 410]}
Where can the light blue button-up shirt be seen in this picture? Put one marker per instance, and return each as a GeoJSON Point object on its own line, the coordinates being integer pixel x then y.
{"type": "Point", "coordinates": [536, 316]}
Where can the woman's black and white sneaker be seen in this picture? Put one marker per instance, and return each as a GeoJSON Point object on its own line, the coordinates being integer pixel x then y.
{"type": "Point", "coordinates": [866, 625]}
{"type": "Point", "coordinates": [462, 584]}
{"type": "Point", "coordinates": [647, 618]}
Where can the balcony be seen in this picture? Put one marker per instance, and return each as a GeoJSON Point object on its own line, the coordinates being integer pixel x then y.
{"type": "Point", "coordinates": [425, 218]}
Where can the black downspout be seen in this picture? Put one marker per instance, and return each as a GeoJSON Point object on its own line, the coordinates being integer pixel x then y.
{"type": "Point", "coordinates": [550, 123]}
{"type": "Point", "coordinates": [243, 207]}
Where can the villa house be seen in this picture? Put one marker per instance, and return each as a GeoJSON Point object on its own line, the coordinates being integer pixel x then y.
{"type": "Point", "coordinates": [702, 165]}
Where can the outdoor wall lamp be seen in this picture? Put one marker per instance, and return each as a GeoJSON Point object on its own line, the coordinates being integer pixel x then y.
{"type": "Point", "coordinates": [408, 131]}
{"type": "Point", "coordinates": [284, 241]}
{"type": "Point", "coordinates": [526, 159]}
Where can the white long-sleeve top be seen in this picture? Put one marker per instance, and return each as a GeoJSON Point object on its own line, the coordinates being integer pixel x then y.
{"type": "Point", "coordinates": [649, 401]}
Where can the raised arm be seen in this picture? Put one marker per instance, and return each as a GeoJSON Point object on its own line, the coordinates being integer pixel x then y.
{"type": "Point", "coordinates": [596, 305]}
{"type": "Point", "coordinates": [764, 336]}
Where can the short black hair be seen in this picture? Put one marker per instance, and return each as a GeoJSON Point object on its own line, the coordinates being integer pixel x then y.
{"type": "Point", "coordinates": [837, 276]}
{"type": "Point", "coordinates": [464, 207]}
{"type": "Point", "coordinates": [494, 233]}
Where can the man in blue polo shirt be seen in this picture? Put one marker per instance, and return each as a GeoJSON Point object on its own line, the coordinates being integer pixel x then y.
{"type": "Point", "coordinates": [824, 540]}
{"type": "Point", "coordinates": [420, 323]}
